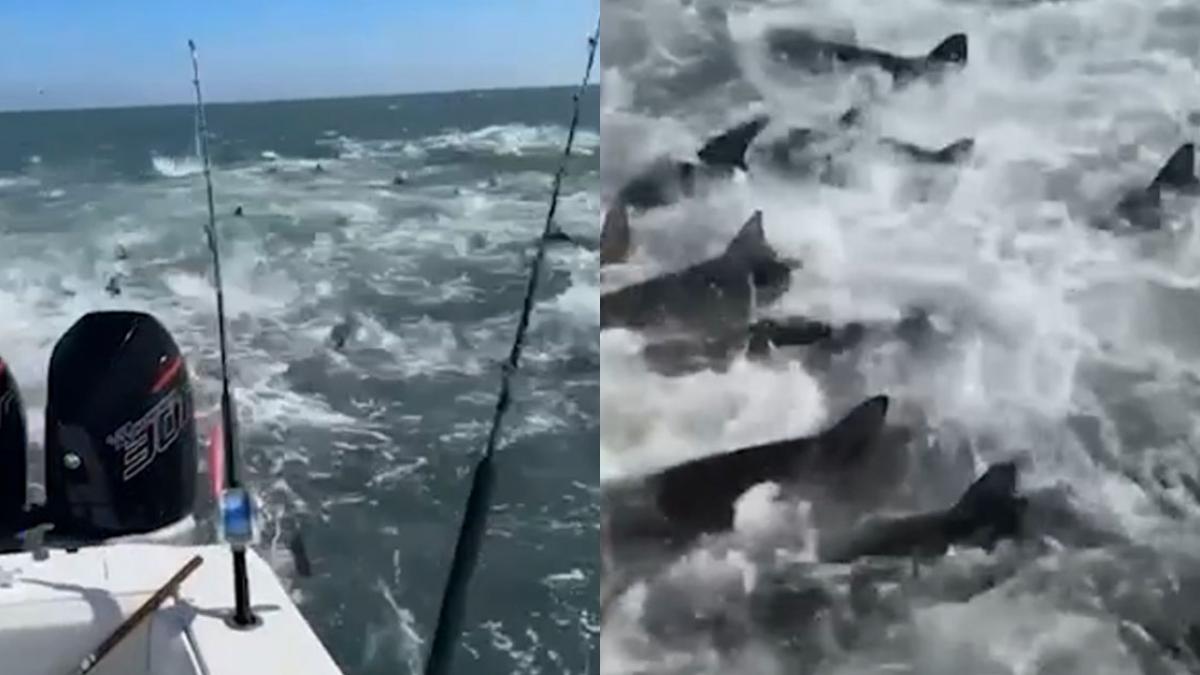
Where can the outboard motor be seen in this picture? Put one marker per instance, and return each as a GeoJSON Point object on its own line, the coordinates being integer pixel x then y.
{"type": "Point", "coordinates": [13, 451]}
{"type": "Point", "coordinates": [120, 429]}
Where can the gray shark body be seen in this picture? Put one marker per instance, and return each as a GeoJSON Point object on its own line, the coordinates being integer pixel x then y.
{"type": "Point", "coordinates": [797, 150]}
{"type": "Point", "coordinates": [657, 517]}
{"type": "Point", "coordinates": [802, 49]}
{"type": "Point", "coordinates": [710, 297]}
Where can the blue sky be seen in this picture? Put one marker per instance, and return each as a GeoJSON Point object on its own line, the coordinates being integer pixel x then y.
{"type": "Point", "coordinates": [90, 53]}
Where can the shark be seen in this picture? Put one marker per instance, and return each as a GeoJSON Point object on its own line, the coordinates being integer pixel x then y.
{"type": "Point", "coordinates": [711, 296]}
{"type": "Point", "coordinates": [666, 181]}
{"type": "Point", "coordinates": [659, 516]}
{"type": "Point", "coordinates": [1141, 207]}
{"type": "Point", "coordinates": [802, 49]}
{"type": "Point", "coordinates": [813, 340]}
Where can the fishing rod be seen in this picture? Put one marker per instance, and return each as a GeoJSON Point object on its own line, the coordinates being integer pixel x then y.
{"type": "Point", "coordinates": [474, 520]}
{"type": "Point", "coordinates": [237, 523]}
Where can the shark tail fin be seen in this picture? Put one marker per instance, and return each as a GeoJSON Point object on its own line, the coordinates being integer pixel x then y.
{"type": "Point", "coordinates": [615, 238]}
{"type": "Point", "coordinates": [951, 50]}
{"type": "Point", "coordinates": [729, 148]}
{"type": "Point", "coordinates": [848, 440]}
{"type": "Point", "coordinates": [1180, 170]}
{"type": "Point", "coordinates": [956, 151]}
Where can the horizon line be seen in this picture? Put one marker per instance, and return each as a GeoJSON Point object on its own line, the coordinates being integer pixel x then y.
{"type": "Point", "coordinates": [302, 99]}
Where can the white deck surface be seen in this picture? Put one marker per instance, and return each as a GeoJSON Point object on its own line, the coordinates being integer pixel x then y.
{"type": "Point", "coordinates": [56, 611]}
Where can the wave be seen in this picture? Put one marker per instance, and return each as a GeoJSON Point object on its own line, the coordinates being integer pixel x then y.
{"type": "Point", "coordinates": [18, 181]}
{"type": "Point", "coordinates": [512, 140]}
{"type": "Point", "coordinates": [176, 167]}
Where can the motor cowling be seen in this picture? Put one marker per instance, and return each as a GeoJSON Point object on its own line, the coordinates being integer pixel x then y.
{"type": "Point", "coordinates": [120, 429]}
{"type": "Point", "coordinates": [14, 449]}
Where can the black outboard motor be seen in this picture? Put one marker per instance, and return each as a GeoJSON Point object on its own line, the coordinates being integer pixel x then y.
{"type": "Point", "coordinates": [13, 451]}
{"type": "Point", "coordinates": [120, 429]}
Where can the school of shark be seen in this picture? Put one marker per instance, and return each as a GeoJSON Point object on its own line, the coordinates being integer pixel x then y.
{"type": "Point", "coordinates": [709, 314]}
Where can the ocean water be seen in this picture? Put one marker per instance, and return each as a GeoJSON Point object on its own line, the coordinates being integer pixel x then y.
{"type": "Point", "coordinates": [366, 450]}
{"type": "Point", "coordinates": [1073, 349]}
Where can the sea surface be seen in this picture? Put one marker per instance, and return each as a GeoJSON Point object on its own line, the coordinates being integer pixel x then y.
{"type": "Point", "coordinates": [1074, 350]}
{"type": "Point", "coordinates": [365, 450]}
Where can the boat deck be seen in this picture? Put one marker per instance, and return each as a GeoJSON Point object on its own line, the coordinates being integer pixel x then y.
{"type": "Point", "coordinates": [54, 612]}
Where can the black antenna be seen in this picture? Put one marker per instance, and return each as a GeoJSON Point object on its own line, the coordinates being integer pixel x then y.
{"type": "Point", "coordinates": [474, 522]}
{"type": "Point", "coordinates": [242, 615]}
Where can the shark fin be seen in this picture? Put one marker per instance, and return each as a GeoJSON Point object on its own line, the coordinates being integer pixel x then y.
{"type": "Point", "coordinates": [615, 236]}
{"type": "Point", "coordinates": [999, 481]}
{"type": "Point", "coordinates": [729, 148]}
{"type": "Point", "coordinates": [1180, 170]}
{"type": "Point", "coordinates": [951, 50]}
{"type": "Point", "coordinates": [991, 505]}
{"type": "Point", "coordinates": [556, 236]}
{"type": "Point", "coordinates": [845, 441]}
{"type": "Point", "coordinates": [751, 240]}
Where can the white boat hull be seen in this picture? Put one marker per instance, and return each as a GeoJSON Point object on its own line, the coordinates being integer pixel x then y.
{"type": "Point", "coordinates": [56, 611]}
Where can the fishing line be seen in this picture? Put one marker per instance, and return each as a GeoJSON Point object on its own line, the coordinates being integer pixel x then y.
{"type": "Point", "coordinates": [474, 521]}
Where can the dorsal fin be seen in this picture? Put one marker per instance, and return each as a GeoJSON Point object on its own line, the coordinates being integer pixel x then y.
{"type": "Point", "coordinates": [729, 148]}
{"type": "Point", "coordinates": [990, 507]}
{"type": "Point", "coordinates": [750, 241]}
{"type": "Point", "coordinates": [615, 236]}
{"type": "Point", "coordinates": [998, 482]}
{"type": "Point", "coordinates": [845, 441]}
{"type": "Point", "coordinates": [1180, 169]}
{"type": "Point", "coordinates": [951, 50]}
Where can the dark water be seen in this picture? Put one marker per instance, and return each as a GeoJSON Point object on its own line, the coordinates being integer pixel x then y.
{"type": "Point", "coordinates": [368, 450]}
{"type": "Point", "coordinates": [116, 141]}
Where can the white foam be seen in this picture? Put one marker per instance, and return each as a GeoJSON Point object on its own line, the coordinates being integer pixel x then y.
{"type": "Point", "coordinates": [650, 421]}
{"type": "Point", "coordinates": [513, 139]}
{"type": "Point", "coordinates": [176, 167]}
{"type": "Point", "coordinates": [17, 181]}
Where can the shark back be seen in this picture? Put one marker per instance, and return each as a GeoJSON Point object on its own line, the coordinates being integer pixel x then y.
{"type": "Point", "coordinates": [699, 496]}
{"type": "Point", "coordinates": [705, 295]}
{"type": "Point", "coordinates": [713, 295]}
{"type": "Point", "coordinates": [802, 48]}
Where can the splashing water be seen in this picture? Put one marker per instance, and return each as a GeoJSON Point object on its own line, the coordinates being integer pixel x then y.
{"type": "Point", "coordinates": [1072, 345]}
